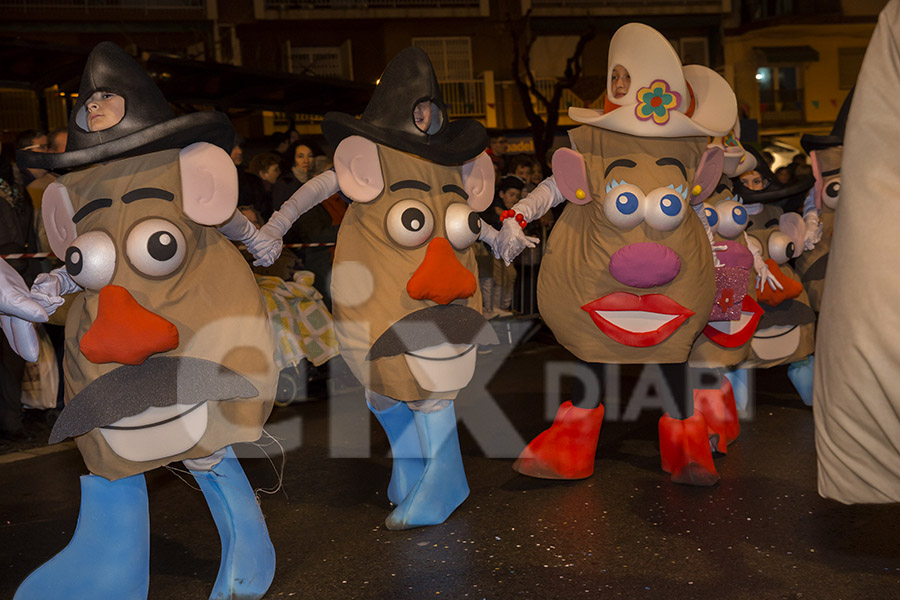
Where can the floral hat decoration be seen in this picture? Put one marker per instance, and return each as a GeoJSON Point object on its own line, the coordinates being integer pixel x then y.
{"type": "Point", "coordinates": [664, 99]}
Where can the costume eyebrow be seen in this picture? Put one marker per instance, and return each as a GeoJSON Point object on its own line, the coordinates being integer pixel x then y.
{"type": "Point", "coordinates": [672, 161]}
{"type": "Point", "coordinates": [622, 162]}
{"type": "Point", "coordinates": [91, 207]}
{"type": "Point", "coordinates": [143, 193]}
{"type": "Point", "coordinates": [410, 184]}
{"type": "Point", "coordinates": [455, 189]}
{"type": "Point", "coordinates": [831, 172]}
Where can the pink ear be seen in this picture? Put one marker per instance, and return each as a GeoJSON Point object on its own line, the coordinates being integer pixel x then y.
{"type": "Point", "coordinates": [707, 175]}
{"type": "Point", "coordinates": [358, 169]}
{"type": "Point", "coordinates": [570, 174]}
{"type": "Point", "coordinates": [478, 179]}
{"type": "Point", "coordinates": [209, 184]}
{"type": "Point", "coordinates": [792, 225]}
{"type": "Point", "coordinates": [820, 181]}
{"type": "Point", "coordinates": [57, 212]}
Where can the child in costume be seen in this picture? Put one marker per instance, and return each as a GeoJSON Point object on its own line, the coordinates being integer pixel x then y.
{"type": "Point", "coordinates": [631, 248]}
{"type": "Point", "coordinates": [168, 347]}
{"type": "Point", "coordinates": [406, 302]}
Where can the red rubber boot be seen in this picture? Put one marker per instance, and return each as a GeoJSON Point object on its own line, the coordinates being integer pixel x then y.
{"type": "Point", "coordinates": [567, 449]}
{"type": "Point", "coordinates": [684, 450]}
{"type": "Point", "coordinates": [720, 412]}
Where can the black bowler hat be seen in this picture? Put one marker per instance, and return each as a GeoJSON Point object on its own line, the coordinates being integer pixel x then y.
{"type": "Point", "coordinates": [820, 142]}
{"type": "Point", "coordinates": [149, 125]}
{"type": "Point", "coordinates": [408, 80]}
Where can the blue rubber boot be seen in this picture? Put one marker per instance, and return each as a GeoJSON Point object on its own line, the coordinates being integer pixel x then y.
{"type": "Point", "coordinates": [406, 453]}
{"type": "Point", "coordinates": [801, 375]}
{"type": "Point", "coordinates": [738, 380]}
{"type": "Point", "coordinates": [248, 557]}
{"type": "Point", "coordinates": [108, 557]}
{"type": "Point", "coordinates": [442, 486]}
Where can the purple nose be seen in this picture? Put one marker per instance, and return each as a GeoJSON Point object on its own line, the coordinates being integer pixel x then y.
{"type": "Point", "coordinates": [644, 265]}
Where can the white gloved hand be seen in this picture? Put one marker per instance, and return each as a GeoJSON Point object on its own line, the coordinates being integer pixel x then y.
{"type": "Point", "coordinates": [17, 312]}
{"type": "Point", "coordinates": [813, 230]}
{"type": "Point", "coordinates": [49, 288]}
{"type": "Point", "coordinates": [489, 236]}
{"type": "Point", "coordinates": [511, 241]}
{"type": "Point", "coordinates": [263, 246]}
{"type": "Point", "coordinates": [762, 269]}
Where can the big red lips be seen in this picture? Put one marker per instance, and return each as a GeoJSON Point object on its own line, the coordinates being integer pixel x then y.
{"type": "Point", "coordinates": [638, 321]}
{"type": "Point", "coordinates": [751, 312]}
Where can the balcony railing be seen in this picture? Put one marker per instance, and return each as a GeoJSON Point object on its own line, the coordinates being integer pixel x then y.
{"type": "Point", "coordinates": [88, 6]}
{"type": "Point", "coordinates": [370, 4]}
{"type": "Point", "coordinates": [545, 86]}
{"type": "Point", "coordinates": [629, 7]}
{"type": "Point", "coordinates": [464, 98]}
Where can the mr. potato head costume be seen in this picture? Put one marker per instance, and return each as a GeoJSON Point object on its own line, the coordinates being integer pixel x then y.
{"type": "Point", "coordinates": [169, 354]}
{"type": "Point", "coordinates": [631, 249]}
{"type": "Point", "coordinates": [406, 299]}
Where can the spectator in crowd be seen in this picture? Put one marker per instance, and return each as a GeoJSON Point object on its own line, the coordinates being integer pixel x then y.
{"type": "Point", "coordinates": [263, 173]}
{"type": "Point", "coordinates": [522, 166]}
{"type": "Point", "coordinates": [783, 175]}
{"type": "Point", "coordinates": [35, 182]}
{"type": "Point", "coordinates": [297, 167]}
{"type": "Point", "coordinates": [498, 287]}
{"type": "Point", "coordinates": [279, 142]}
{"type": "Point", "coordinates": [57, 140]}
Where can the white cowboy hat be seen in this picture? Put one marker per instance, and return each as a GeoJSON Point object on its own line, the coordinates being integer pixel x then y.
{"type": "Point", "coordinates": [664, 99]}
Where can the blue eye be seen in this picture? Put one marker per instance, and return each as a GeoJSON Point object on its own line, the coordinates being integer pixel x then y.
{"type": "Point", "coordinates": [712, 217]}
{"type": "Point", "coordinates": [627, 203]}
{"type": "Point", "coordinates": [670, 205]}
{"type": "Point", "coordinates": [739, 214]}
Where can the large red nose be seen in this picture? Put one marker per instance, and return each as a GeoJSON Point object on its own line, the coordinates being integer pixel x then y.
{"type": "Point", "coordinates": [125, 332]}
{"type": "Point", "coordinates": [441, 277]}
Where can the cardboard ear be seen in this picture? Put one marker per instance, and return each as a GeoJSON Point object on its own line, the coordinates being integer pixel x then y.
{"type": "Point", "coordinates": [57, 212]}
{"type": "Point", "coordinates": [820, 181]}
{"type": "Point", "coordinates": [358, 169]}
{"type": "Point", "coordinates": [209, 184]}
{"type": "Point", "coordinates": [792, 225]}
{"type": "Point", "coordinates": [570, 174]}
{"type": "Point", "coordinates": [707, 175]}
{"type": "Point", "coordinates": [478, 179]}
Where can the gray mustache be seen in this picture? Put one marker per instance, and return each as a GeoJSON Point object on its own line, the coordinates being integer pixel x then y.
{"type": "Point", "coordinates": [130, 390]}
{"type": "Point", "coordinates": [789, 312]}
{"type": "Point", "coordinates": [438, 324]}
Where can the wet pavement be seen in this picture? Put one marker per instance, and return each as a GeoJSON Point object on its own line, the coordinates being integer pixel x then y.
{"type": "Point", "coordinates": [626, 532]}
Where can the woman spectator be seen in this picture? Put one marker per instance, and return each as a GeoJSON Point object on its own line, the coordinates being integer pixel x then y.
{"type": "Point", "coordinates": [263, 173]}
{"type": "Point", "coordinates": [297, 168]}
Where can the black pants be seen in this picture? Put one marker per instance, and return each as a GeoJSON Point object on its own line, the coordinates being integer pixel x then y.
{"type": "Point", "coordinates": [12, 369]}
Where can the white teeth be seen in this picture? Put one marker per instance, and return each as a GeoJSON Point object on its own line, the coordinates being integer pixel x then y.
{"type": "Point", "coordinates": [775, 342]}
{"type": "Point", "coordinates": [442, 368]}
{"type": "Point", "coordinates": [159, 432]}
{"type": "Point", "coordinates": [732, 327]}
{"type": "Point", "coordinates": [636, 321]}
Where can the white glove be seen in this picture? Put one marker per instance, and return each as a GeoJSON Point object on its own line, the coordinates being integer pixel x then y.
{"type": "Point", "coordinates": [813, 230]}
{"type": "Point", "coordinates": [49, 288]}
{"type": "Point", "coordinates": [511, 240]}
{"type": "Point", "coordinates": [540, 200]}
{"type": "Point", "coordinates": [17, 312]}
{"type": "Point", "coordinates": [311, 193]}
{"type": "Point", "coordinates": [489, 236]}
{"type": "Point", "coordinates": [240, 229]}
{"type": "Point", "coordinates": [762, 269]}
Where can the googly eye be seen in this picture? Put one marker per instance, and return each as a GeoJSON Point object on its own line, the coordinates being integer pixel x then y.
{"type": "Point", "coordinates": [781, 247]}
{"type": "Point", "coordinates": [712, 217]}
{"type": "Point", "coordinates": [463, 225]}
{"type": "Point", "coordinates": [623, 205]}
{"type": "Point", "coordinates": [155, 247]}
{"type": "Point", "coordinates": [665, 209]}
{"type": "Point", "coordinates": [91, 260]}
{"type": "Point", "coordinates": [410, 223]}
{"type": "Point", "coordinates": [832, 192]}
{"type": "Point", "coordinates": [733, 218]}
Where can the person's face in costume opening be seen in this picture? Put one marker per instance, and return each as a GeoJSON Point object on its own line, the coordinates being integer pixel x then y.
{"type": "Point", "coordinates": [304, 158]}
{"type": "Point", "coordinates": [752, 180]}
{"type": "Point", "coordinates": [104, 109]}
{"type": "Point", "coordinates": [510, 197]}
{"type": "Point", "coordinates": [620, 81]}
{"type": "Point", "coordinates": [422, 115]}
{"type": "Point", "coordinates": [237, 155]}
{"type": "Point", "coordinates": [271, 174]}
